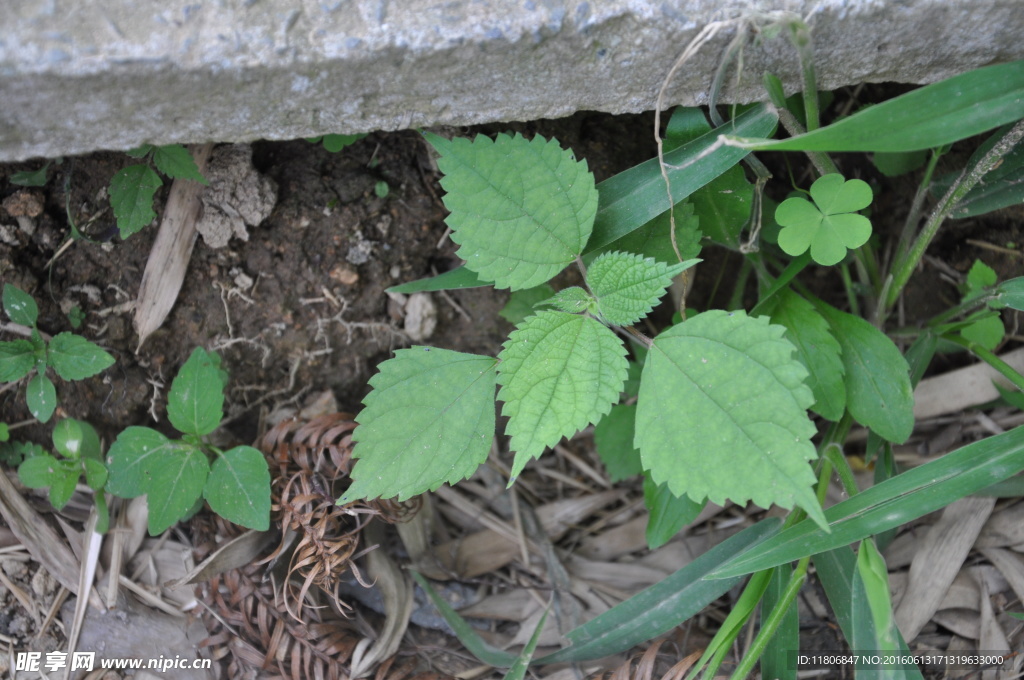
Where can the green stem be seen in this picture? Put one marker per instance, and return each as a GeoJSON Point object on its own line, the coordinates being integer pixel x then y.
{"type": "Point", "coordinates": [989, 357]}
{"type": "Point", "coordinates": [736, 300]}
{"type": "Point", "coordinates": [773, 621]}
{"type": "Point", "coordinates": [800, 36]}
{"type": "Point", "coordinates": [795, 266]}
{"type": "Point", "coordinates": [733, 624]}
{"type": "Point", "coordinates": [914, 216]}
{"type": "Point", "coordinates": [905, 265]}
{"type": "Point", "coordinates": [851, 297]}
{"type": "Point", "coordinates": [821, 160]}
{"type": "Point", "coordinates": [834, 454]}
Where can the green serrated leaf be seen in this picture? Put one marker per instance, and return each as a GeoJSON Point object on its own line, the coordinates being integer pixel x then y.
{"type": "Point", "coordinates": [176, 162]}
{"type": "Point", "coordinates": [428, 421]}
{"type": "Point", "coordinates": [76, 439]}
{"type": "Point", "coordinates": [521, 303]}
{"type": "Point", "coordinates": [75, 358]}
{"type": "Point", "coordinates": [878, 391]}
{"type": "Point", "coordinates": [520, 210]}
{"type": "Point", "coordinates": [20, 306]}
{"type": "Point", "coordinates": [131, 459]}
{"type": "Point", "coordinates": [668, 513]}
{"type": "Point", "coordinates": [238, 488]}
{"type": "Point", "coordinates": [195, 404]}
{"type": "Point", "coordinates": [139, 151]}
{"type": "Point", "coordinates": [628, 286]}
{"type": "Point", "coordinates": [828, 227]}
{"type": "Point", "coordinates": [179, 476]}
{"type": "Point", "coordinates": [559, 372]}
{"type": "Point", "coordinates": [16, 360]}
{"type": "Point", "coordinates": [573, 300]}
{"type": "Point", "coordinates": [722, 413]}
{"type": "Point", "coordinates": [41, 396]}
{"type": "Point", "coordinates": [816, 349]}
{"type": "Point", "coordinates": [723, 207]}
{"type": "Point", "coordinates": [613, 438]}
{"type": "Point", "coordinates": [654, 239]}
{"type": "Point", "coordinates": [131, 196]}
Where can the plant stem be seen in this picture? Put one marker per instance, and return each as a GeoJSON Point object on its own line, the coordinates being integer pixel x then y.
{"type": "Point", "coordinates": [834, 454]}
{"type": "Point", "coordinates": [851, 297]}
{"type": "Point", "coordinates": [795, 266]}
{"type": "Point", "coordinates": [989, 357]}
{"type": "Point", "coordinates": [773, 621]}
{"type": "Point", "coordinates": [800, 36]}
{"type": "Point", "coordinates": [821, 160]}
{"type": "Point", "coordinates": [914, 216]}
{"type": "Point", "coordinates": [905, 265]}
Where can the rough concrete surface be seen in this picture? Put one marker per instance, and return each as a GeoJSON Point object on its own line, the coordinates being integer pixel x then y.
{"type": "Point", "coordinates": [81, 75]}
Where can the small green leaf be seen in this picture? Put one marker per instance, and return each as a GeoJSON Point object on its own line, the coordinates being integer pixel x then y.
{"type": "Point", "coordinates": [238, 488]}
{"type": "Point", "coordinates": [38, 472]}
{"type": "Point", "coordinates": [41, 396]}
{"type": "Point", "coordinates": [828, 228]}
{"type": "Point", "coordinates": [573, 300]}
{"type": "Point", "coordinates": [668, 513]}
{"type": "Point", "coordinates": [95, 474]}
{"type": "Point", "coordinates": [722, 413]}
{"type": "Point", "coordinates": [896, 164]}
{"type": "Point", "coordinates": [5, 433]}
{"type": "Point", "coordinates": [987, 332]}
{"type": "Point", "coordinates": [816, 349]}
{"type": "Point", "coordinates": [75, 358]}
{"type": "Point", "coordinates": [613, 438]}
{"type": "Point", "coordinates": [178, 478]}
{"type": "Point", "coordinates": [131, 196]}
{"type": "Point", "coordinates": [139, 151]}
{"type": "Point", "coordinates": [75, 439]}
{"type": "Point", "coordinates": [381, 189]}
{"type": "Point", "coordinates": [335, 143]}
{"type": "Point", "coordinates": [30, 178]}
{"type": "Point", "coordinates": [20, 306]}
{"type": "Point", "coordinates": [176, 162]}
{"type": "Point", "coordinates": [16, 360]}
{"type": "Point", "coordinates": [723, 207]}
{"type": "Point", "coordinates": [195, 404]}
{"type": "Point", "coordinates": [428, 421]}
{"type": "Point", "coordinates": [628, 286]}
{"type": "Point", "coordinates": [517, 671]}
{"type": "Point", "coordinates": [871, 599]}
{"type": "Point", "coordinates": [558, 373]}
{"type": "Point", "coordinates": [131, 459]}
{"type": "Point", "coordinates": [521, 303]}
{"type": "Point", "coordinates": [520, 210]}
{"type": "Point", "coordinates": [979, 277]}
{"type": "Point", "coordinates": [878, 391]}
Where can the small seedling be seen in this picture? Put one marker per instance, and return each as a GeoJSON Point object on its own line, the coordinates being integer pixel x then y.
{"type": "Point", "coordinates": [31, 178]}
{"type": "Point", "coordinates": [176, 474]}
{"type": "Point", "coordinates": [79, 447]}
{"type": "Point", "coordinates": [828, 226]}
{"type": "Point", "coordinates": [335, 143]}
{"type": "Point", "coordinates": [133, 188]}
{"type": "Point", "coordinates": [71, 356]}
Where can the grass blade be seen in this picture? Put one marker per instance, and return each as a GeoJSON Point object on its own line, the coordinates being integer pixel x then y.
{"type": "Point", "coordinates": [661, 607]}
{"type": "Point", "coordinates": [934, 115]}
{"type": "Point", "coordinates": [894, 502]}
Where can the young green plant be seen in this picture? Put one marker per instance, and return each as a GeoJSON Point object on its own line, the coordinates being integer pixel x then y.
{"type": "Point", "coordinates": [132, 189]}
{"type": "Point", "coordinates": [177, 474]}
{"type": "Point", "coordinates": [71, 356]}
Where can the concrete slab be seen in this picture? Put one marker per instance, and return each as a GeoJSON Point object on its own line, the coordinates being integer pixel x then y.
{"type": "Point", "coordinates": [112, 74]}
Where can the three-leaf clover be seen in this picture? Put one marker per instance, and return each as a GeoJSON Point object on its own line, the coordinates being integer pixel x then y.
{"type": "Point", "coordinates": [176, 474]}
{"type": "Point", "coordinates": [72, 357]}
{"type": "Point", "coordinates": [830, 225]}
{"type": "Point", "coordinates": [79, 448]}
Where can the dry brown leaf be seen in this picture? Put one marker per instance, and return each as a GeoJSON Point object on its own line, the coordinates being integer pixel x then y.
{"type": "Point", "coordinates": [1003, 528]}
{"type": "Point", "coordinates": [1010, 565]}
{"type": "Point", "coordinates": [991, 637]}
{"type": "Point", "coordinates": [169, 257]}
{"type": "Point", "coordinates": [936, 565]}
